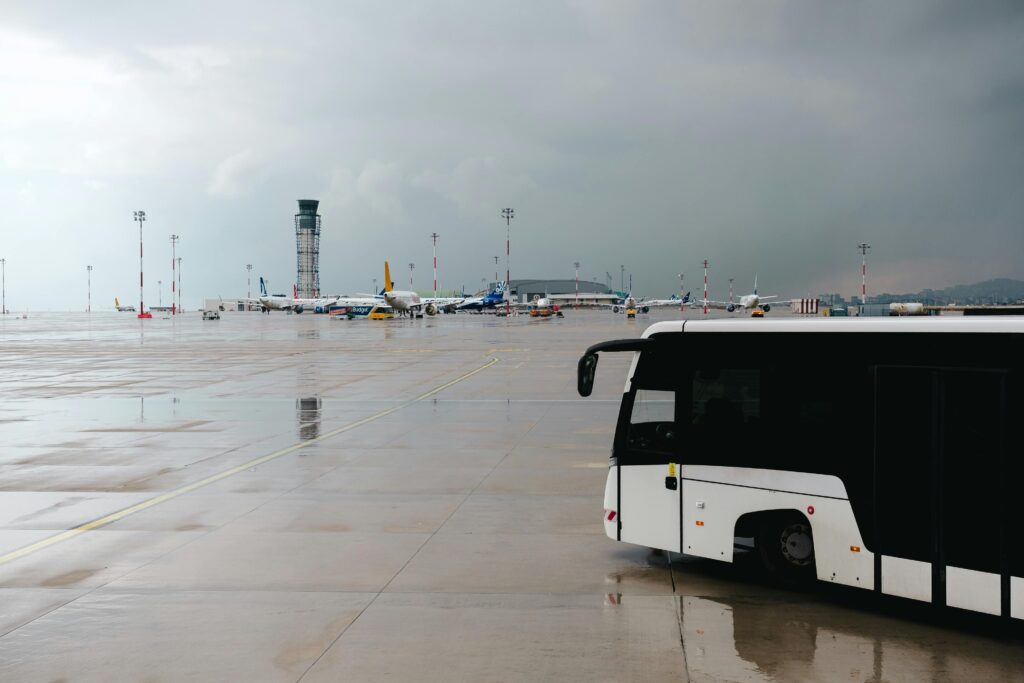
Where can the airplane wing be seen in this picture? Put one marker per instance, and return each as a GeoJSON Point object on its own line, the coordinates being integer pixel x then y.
{"type": "Point", "coordinates": [666, 302]}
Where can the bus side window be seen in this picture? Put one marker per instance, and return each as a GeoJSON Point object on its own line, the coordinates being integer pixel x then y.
{"type": "Point", "coordinates": [726, 411]}
{"type": "Point", "coordinates": [728, 397]}
{"type": "Point", "coordinates": [653, 406]}
{"type": "Point", "coordinates": [652, 423]}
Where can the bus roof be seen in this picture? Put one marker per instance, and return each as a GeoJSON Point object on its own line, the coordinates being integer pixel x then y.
{"type": "Point", "coordinates": [956, 324]}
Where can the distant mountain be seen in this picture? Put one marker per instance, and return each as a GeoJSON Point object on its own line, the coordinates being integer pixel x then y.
{"type": "Point", "coordinates": [998, 291]}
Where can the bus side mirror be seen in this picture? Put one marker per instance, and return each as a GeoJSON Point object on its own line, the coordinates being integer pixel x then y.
{"type": "Point", "coordinates": [585, 371]}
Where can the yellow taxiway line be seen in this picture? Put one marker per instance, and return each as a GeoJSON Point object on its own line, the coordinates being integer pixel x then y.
{"type": "Point", "coordinates": [170, 495]}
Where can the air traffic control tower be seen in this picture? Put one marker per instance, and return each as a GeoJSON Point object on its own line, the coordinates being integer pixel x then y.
{"type": "Point", "coordinates": [307, 249]}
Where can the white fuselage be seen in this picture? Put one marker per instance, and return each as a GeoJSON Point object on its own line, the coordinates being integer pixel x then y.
{"type": "Point", "coordinates": [284, 303]}
{"type": "Point", "coordinates": [403, 301]}
{"type": "Point", "coordinates": [749, 301]}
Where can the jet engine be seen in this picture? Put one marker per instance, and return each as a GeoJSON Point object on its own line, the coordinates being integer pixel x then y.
{"type": "Point", "coordinates": [766, 307]}
{"type": "Point", "coordinates": [430, 309]}
{"type": "Point", "coordinates": [731, 307]}
{"type": "Point", "coordinates": [645, 309]}
{"type": "Point", "coordinates": [299, 309]}
{"type": "Point", "coordinates": [615, 309]}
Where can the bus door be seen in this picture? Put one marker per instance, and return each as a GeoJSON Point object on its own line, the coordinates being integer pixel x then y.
{"type": "Point", "coordinates": [649, 474]}
{"type": "Point", "coordinates": [941, 526]}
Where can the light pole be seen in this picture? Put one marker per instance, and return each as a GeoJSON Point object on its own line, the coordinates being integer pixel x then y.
{"type": "Point", "coordinates": [174, 243]}
{"type": "Point", "coordinates": [508, 214]}
{"type": "Point", "coordinates": [496, 269]}
{"type": "Point", "coordinates": [374, 290]}
{"type": "Point", "coordinates": [622, 278]}
{"type": "Point", "coordinates": [705, 286]}
{"type": "Point", "coordinates": [682, 304]}
{"type": "Point", "coordinates": [434, 237]}
{"type": "Point", "coordinates": [160, 294]}
{"type": "Point", "coordinates": [248, 283]}
{"type": "Point", "coordinates": [730, 288]}
{"type": "Point", "coordinates": [863, 247]}
{"type": "Point", "coordinates": [577, 264]}
{"type": "Point", "coordinates": [411, 266]}
{"type": "Point", "coordinates": [88, 272]}
{"type": "Point", "coordinates": [140, 218]}
{"type": "Point", "coordinates": [179, 285]}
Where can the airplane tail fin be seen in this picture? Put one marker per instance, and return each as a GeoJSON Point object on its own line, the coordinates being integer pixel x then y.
{"type": "Point", "coordinates": [387, 277]}
{"type": "Point", "coordinates": [295, 291]}
{"type": "Point", "coordinates": [117, 304]}
{"type": "Point", "coordinates": [755, 283]}
{"type": "Point", "coordinates": [263, 286]}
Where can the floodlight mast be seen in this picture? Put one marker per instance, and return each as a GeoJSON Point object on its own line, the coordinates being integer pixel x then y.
{"type": "Point", "coordinates": [508, 214]}
{"type": "Point", "coordinates": [140, 218]}
{"type": "Point", "coordinates": [577, 264]}
{"type": "Point", "coordinates": [174, 243]}
{"type": "Point", "coordinates": [863, 248]}
{"type": "Point", "coordinates": [434, 237]}
{"type": "Point", "coordinates": [705, 286]}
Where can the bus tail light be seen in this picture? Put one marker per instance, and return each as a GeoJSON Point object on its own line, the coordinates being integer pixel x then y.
{"type": "Point", "coordinates": [609, 515]}
{"type": "Point", "coordinates": [700, 522]}
{"type": "Point", "coordinates": [855, 548]}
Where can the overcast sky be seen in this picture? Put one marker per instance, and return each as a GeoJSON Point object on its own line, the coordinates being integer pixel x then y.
{"type": "Point", "coordinates": [767, 137]}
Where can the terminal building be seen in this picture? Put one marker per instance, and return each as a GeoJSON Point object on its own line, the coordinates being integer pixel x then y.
{"type": "Point", "coordinates": [590, 292]}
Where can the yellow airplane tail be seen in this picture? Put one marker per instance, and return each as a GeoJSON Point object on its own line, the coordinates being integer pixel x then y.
{"type": "Point", "coordinates": [387, 277]}
{"type": "Point", "coordinates": [117, 304]}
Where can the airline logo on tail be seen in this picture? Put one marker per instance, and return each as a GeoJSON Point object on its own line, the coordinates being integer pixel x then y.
{"type": "Point", "coordinates": [387, 278]}
{"type": "Point", "coordinates": [263, 287]}
{"type": "Point", "coordinates": [117, 304]}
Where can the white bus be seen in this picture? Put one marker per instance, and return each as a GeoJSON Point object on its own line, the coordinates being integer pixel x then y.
{"type": "Point", "coordinates": [876, 453]}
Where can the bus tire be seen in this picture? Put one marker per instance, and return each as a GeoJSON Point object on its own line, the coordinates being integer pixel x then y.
{"type": "Point", "coordinates": [786, 546]}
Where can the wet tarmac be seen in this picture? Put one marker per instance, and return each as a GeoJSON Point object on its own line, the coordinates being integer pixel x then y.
{"type": "Point", "coordinates": [284, 498]}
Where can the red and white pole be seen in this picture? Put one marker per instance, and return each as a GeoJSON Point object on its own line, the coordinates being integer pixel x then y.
{"type": "Point", "coordinates": [705, 286]}
{"type": "Point", "coordinates": [434, 235]}
{"type": "Point", "coordinates": [864, 279]}
{"type": "Point", "coordinates": [863, 247]}
{"type": "Point", "coordinates": [174, 289]}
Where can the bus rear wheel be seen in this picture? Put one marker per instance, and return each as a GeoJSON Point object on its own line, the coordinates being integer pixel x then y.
{"type": "Point", "coordinates": [786, 547]}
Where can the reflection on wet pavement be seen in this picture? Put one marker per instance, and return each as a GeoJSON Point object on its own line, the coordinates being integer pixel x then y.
{"type": "Point", "coordinates": [456, 537]}
{"type": "Point", "coordinates": [308, 414]}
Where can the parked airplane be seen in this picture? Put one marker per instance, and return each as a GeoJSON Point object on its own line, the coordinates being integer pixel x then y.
{"type": "Point", "coordinates": [543, 307]}
{"type": "Point", "coordinates": [629, 303]}
{"type": "Point", "coordinates": [495, 297]}
{"type": "Point", "coordinates": [401, 300]}
{"type": "Point", "coordinates": [750, 301]}
{"type": "Point", "coordinates": [123, 309]}
{"type": "Point", "coordinates": [280, 302]}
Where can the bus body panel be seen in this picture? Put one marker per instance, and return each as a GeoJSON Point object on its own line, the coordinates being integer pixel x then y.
{"type": "Point", "coordinates": [780, 480]}
{"type": "Point", "coordinates": [907, 578]}
{"type": "Point", "coordinates": [1017, 597]}
{"type": "Point", "coordinates": [973, 590]}
{"type": "Point", "coordinates": [611, 503]}
{"type": "Point", "coordinates": [711, 510]}
{"type": "Point", "coordinates": [649, 511]}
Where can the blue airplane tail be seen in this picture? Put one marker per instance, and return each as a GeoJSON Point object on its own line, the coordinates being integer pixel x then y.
{"type": "Point", "coordinates": [263, 287]}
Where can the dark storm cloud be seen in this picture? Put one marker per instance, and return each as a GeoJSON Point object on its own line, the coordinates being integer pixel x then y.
{"type": "Point", "coordinates": [770, 138]}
